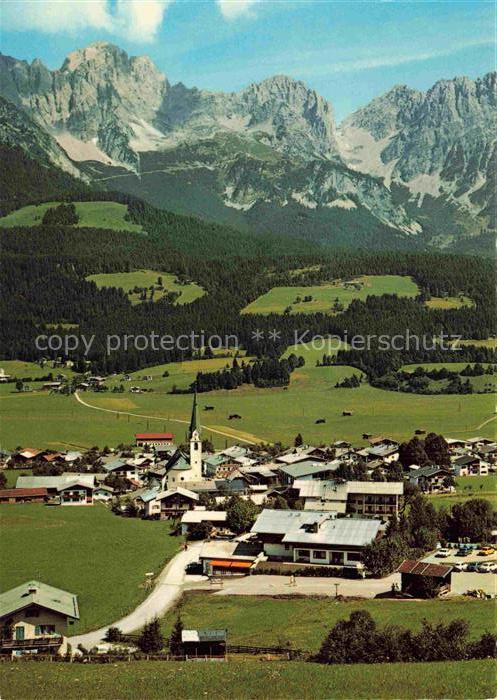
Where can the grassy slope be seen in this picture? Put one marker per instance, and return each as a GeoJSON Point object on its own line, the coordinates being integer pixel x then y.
{"type": "Point", "coordinates": [448, 302]}
{"type": "Point", "coordinates": [109, 215]}
{"type": "Point", "coordinates": [278, 298]}
{"type": "Point", "coordinates": [247, 679]}
{"type": "Point", "coordinates": [19, 369]}
{"type": "Point", "coordinates": [146, 278]}
{"type": "Point", "coordinates": [86, 550]}
{"type": "Point", "coordinates": [468, 487]}
{"type": "Point", "coordinates": [267, 414]}
{"type": "Point", "coordinates": [264, 620]}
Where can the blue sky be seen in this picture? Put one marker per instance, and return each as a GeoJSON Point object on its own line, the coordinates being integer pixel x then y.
{"type": "Point", "coordinates": [349, 51]}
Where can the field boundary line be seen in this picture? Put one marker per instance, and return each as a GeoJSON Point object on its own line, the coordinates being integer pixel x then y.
{"type": "Point", "coordinates": [232, 436]}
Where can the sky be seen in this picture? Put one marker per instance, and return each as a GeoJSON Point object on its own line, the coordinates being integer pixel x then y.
{"type": "Point", "coordinates": [348, 50]}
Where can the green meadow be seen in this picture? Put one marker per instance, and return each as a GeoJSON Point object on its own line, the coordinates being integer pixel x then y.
{"type": "Point", "coordinates": [109, 215]}
{"type": "Point", "coordinates": [263, 620]}
{"type": "Point", "coordinates": [323, 296]}
{"type": "Point", "coordinates": [18, 369]}
{"type": "Point", "coordinates": [279, 414]}
{"type": "Point", "coordinates": [145, 278]}
{"type": "Point", "coordinates": [247, 679]}
{"type": "Point", "coordinates": [468, 487]}
{"type": "Point", "coordinates": [88, 551]}
{"type": "Point", "coordinates": [448, 302]}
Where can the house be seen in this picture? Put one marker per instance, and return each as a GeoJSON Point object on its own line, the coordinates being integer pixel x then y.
{"type": "Point", "coordinates": [418, 578]}
{"type": "Point", "coordinates": [229, 557]}
{"type": "Point", "coordinates": [70, 488]}
{"type": "Point", "coordinates": [194, 517]}
{"type": "Point", "coordinates": [302, 454]}
{"type": "Point", "coordinates": [34, 618]}
{"type": "Point", "coordinates": [154, 439]}
{"type": "Point", "coordinates": [375, 499]}
{"type": "Point", "coordinates": [29, 453]}
{"type": "Point", "coordinates": [307, 470]}
{"type": "Point", "coordinates": [470, 465]}
{"type": "Point", "coordinates": [37, 495]}
{"type": "Point", "coordinates": [203, 643]}
{"type": "Point", "coordinates": [387, 453]}
{"type": "Point", "coordinates": [103, 493]}
{"type": "Point", "coordinates": [381, 440]}
{"type": "Point", "coordinates": [314, 537]}
{"type": "Point", "coordinates": [119, 468]}
{"type": "Point", "coordinates": [431, 479]}
{"type": "Point", "coordinates": [75, 493]}
{"type": "Point", "coordinates": [171, 503]}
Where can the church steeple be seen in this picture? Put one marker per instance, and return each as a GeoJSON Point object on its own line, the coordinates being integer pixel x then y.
{"type": "Point", "coordinates": [195, 443]}
{"type": "Point", "coordinates": [194, 422]}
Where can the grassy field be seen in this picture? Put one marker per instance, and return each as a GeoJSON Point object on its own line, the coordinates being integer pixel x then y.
{"type": "Point", "coordinates": [110, 215]}
{"type": "Point", "coordinates": [468, 487]}
{"type": "Point", "coordinates": [89, 551]}
{"type": "Point", "coordinates": [262, 620]}
{"type": "Point", "coordinates": [145, 278]}
{"type": "Point", "coordinates": [38, 419]}
{"type": "Point", "coordinates": [448, 302]}
{"type": "Point", "coordinates": [323, 296]}
{"type": "Point", "coordinates": [13, 474]}
{"type": "Point", "coordinates": [452, 366]}
{"type": "Point", "coordinates": [246, 679]}
{"type": "Point", "coordinates": [18, 369]}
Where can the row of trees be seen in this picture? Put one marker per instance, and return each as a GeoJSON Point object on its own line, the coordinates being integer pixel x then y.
{"type": "Point", "coordinates": [360, 640]}
{"type": "Point", "coordinates": [262, 373]}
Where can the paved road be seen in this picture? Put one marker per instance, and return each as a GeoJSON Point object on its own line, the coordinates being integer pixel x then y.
{"type": "Point", "coordinates": [304, 585]}
{"type": "Point", "coordinates": [167, 590]}
{"type": "Point", "coordinates": [466, 581]}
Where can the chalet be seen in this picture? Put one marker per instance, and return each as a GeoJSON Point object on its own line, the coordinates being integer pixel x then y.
{"type": "Point", "coordinates": [470, 465]}
{"type": "Point", "coordinates": [34, 619]}
{"type": "Point", "coordinates": [314, 537]}
{"type": "Point", "coordinates": [37, 495]}
{"type": "Point", "coordinates": [489, 453]}
{"type": "Point", "coordinates": [103, 493]}
{"type": "Point", "coordinates": [69, 488]}
{"type": "Point", "coordinates": [119, 468]}
{"type": "Point", "coordinates": [455, 444]}
{"type": "Point", "coordinates": [381, 440]}
{"type": "Point", "coordinates": [203, 643]}
{"type": "Point", "coordinates": [374, 499]}
{"type": "Point", "coordinates": [194, 517]}
{"type": "Point", "coordinates": [385, 452]}
{"type": "Point", "coordinates": [229, 557]}
{"type": "Point", "coordinates": [154, 439]}
{"type": "Point", "coordinates": [431, 479]}
{"type": "Point", "coordinates": [169, 504]}
{"type": "Point", "coordinates": [29, 453]}
{"type": "Point", "coordinates": [419, 578]}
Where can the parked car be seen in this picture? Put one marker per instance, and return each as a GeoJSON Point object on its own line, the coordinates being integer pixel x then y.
{"type": "Point", "coordinates": [443, 553]}
{"type": "Point", "coordinates": [463, 552]}
{"type": "Point", "coordinates": [486, 551]}
{"type": "Point", "coordinates": [472, 566]}
{"type": "Point", "coordinates": [463, 566]}
{"type": "Point", "coordinates": [487, 567]}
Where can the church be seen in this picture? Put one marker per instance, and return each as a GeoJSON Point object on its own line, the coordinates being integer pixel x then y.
{"type": "Point", "coordinates": [185, 468]}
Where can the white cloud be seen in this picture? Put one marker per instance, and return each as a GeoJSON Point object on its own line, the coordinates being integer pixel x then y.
{"type": "Point", "coordinates": [232, 9]}
{"type": "Point", "coordinates": [137, 20]}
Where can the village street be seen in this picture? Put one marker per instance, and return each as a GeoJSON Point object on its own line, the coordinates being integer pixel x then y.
{"type": "Point", "coordinates": [167, 591]}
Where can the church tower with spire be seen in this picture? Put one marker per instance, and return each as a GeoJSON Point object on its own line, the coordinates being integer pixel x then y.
{"type": "Point", "coordinates": [195, 443]}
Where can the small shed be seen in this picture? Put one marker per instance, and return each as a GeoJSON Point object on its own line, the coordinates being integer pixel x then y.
{"type": "Point", "coordinates": [202, 643]}
{"type": "Point", "coordinates": [424, 580]}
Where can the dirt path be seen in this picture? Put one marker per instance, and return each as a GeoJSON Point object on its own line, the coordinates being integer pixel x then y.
{"type": "Point", "coordinates": [486, 422]}
{"type": "Point", "coordinates": [234, 435]}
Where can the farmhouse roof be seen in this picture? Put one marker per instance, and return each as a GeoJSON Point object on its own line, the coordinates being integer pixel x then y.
{"type": "Point", "coordinates": [54, 482]}
{"type": "Point", "coordinates": [203, 635]}
{"type": "Point", "coordinates": [172, 492]}
{"type": "Point", "coordinates": [317, 527]}
{"type": "Point", "coordinates": [307, 468]}
{"type": "Point", "coordinates": [37, 593]}
{"type": "Point", "coordinates": [154, 436]}
{"type": "Point", "coordinates": [21, 493]}
{"type": "Point", "coordinates": [200, 516]}
{"type": "Point", "coordinates": [421, 568]}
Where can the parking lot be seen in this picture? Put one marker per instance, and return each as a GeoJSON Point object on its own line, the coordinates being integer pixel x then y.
{"type": "Point", "coordinates": [453, 559]}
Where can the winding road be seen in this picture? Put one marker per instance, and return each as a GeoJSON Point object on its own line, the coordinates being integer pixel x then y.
{"type": "Point", "coordinates": [166, 592]}
{"type": "Point", "coordinates": [232, 435]}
